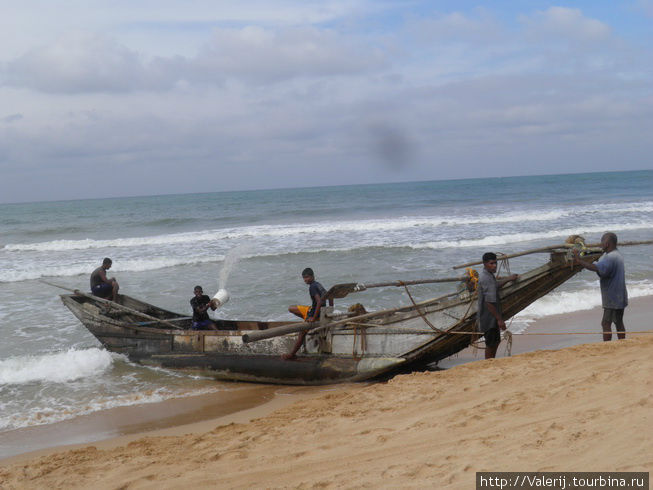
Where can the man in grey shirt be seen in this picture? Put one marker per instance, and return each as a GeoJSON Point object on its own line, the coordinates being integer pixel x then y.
{"type": "Point", "coordinates": [490, 318]}
{"type": "Point", "coordinates": [612, 274]}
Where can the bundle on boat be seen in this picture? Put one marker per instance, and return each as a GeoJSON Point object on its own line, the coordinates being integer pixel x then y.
{"type": "Point", "coordinates": [350, 346]}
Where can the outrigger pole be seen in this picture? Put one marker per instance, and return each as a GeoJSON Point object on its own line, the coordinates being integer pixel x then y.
{"type": "Point", "coordinates": [591, 248]}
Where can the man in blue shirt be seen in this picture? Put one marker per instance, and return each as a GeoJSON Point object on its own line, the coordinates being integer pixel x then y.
{"type": "Point", "coordinates": [614, 296]}
{"type": "Point", "coordinates": [308, 313]}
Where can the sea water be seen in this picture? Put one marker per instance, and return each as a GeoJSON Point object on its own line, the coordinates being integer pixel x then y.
{"type": "Point", "coordinates": [257, 243]}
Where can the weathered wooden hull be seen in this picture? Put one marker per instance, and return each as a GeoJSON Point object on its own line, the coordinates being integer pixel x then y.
{"type": "Point", "coordinates": [220, 354]}
{"type": "Point", "coordinates": [354, 350]}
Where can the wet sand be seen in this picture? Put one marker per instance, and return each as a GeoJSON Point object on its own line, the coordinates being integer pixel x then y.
{"type": "Point", "coordinates": [545, 410]}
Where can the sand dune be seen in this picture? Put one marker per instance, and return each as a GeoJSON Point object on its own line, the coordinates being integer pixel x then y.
{"type": "Point", "coordinates": [583, 408]}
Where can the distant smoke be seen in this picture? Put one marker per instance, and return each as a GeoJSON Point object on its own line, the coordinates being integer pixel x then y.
{"type": "Point", "coordinates": [391, 145]}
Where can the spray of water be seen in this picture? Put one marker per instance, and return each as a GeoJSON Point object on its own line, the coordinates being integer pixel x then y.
{"type": "Point", "coordinates": [230, 261]}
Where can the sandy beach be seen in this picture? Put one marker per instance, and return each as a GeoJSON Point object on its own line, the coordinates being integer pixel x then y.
{"type": "Point", "coordinates": [579, 405]}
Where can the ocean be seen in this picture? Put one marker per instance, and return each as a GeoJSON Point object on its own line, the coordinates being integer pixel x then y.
{"type": "Point", "coordinates": [256, 244]}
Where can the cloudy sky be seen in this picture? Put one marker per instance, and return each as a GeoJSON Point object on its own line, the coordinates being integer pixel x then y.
{"type": "Point", "coordinates": [122, 98]}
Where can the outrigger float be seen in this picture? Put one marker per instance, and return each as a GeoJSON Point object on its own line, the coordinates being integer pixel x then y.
{"type": "Point", "coordinates": [339, 348]}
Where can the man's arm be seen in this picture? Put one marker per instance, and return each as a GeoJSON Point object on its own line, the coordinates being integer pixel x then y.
{"type": "Point", "coordinates": [198, 308]}
{"type": "Point", "coordinates": [495, 313]}
{"type": "Point", "coordinates": [316, 313]}
{"type": "Point", "coordinates": [103, 276]}
{"type": "Point", "coordinates": [583, 263]}
{"type": "Point", "coordinates": [504, 280]}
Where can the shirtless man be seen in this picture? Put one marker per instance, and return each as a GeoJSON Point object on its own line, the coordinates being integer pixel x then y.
{"type": "Point", "coordinates": [102, 286]}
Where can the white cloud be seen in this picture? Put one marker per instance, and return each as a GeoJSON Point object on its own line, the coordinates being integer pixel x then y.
{"type": "Point", "coordinates": [86, 63]}
{"type": "Point", "coordinates": [265, 100]}
{"type": "Point", "coordinates": [566, 24]}
{"type": "Point", "coordinates": [263, 55]}
{"type": "Point", "coordinates": [78, 63]}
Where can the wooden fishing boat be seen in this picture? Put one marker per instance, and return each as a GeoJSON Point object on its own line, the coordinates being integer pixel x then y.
{"type": "Point", "coordinates": [338, 348]}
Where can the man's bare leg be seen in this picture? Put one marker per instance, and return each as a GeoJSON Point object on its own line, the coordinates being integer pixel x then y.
{"type": "Point", "coordinates": [607, 331]}
{"type": "Point", "coordinates": [621, 330]}
{"type": "Point", "coordinates": [491, 352]}
{"type": "Point", "coordinates": [293, 353]}
{"type": "Point", "coordinates": [114, 291]}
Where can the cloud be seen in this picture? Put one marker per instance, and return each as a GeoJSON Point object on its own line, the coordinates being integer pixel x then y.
{"type": "Point", "coordinates": [259, 55]}
{"type": "Point", "coordinates": [456, 27]}
{"type": "Point", "coordinates": [566, 24]}
{"type": "Point", "coordinates": [11, 118]}
{"type": "Point", "coordinates": [91, 63]}
{"type": "Point", "coordinates": [84, 63]}
{"type": "Point", "coordinates": [360, 98]}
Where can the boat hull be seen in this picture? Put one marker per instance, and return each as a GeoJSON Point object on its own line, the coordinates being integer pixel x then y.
{"type": "Point", "coordinates": [335, 351]}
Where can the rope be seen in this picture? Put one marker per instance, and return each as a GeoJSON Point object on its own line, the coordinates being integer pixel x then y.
{"type": "Point", "coordinates": [363, 341]}
{"type": "Point", "coordinates": [507, 336]}
{"type": "Point", "coordinates": [552, 333]}
{"type": "Point", "coordinates": [503, 262]}
{"type": "Point", "coordinates": [433, 327]}
{"type": "Point", "coordinates": [444, 332]}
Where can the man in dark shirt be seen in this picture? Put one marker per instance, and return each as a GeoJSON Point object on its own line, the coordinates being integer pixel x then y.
{"type": "Point", "coordinates": [308, 313]}
{"type": "Point", "coordinates": [200, 304]}
{"type": "Point", "coordinates": [102, 286]}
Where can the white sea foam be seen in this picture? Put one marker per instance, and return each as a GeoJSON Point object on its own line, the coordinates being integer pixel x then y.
{"type": "Point", "coordinates": [509, 238]}
{"type": "Point", "coordinates": [621, 208]}
{"type": "Point", "coordinates": [557, 303]}
{"type": "Point", "coordinates": [277, 230]}
{"type": "Point", "coordinates": [50, 414]}
{"type": "Point", "coordinates": [59, 367]}
{"type": "Point", "coordinates": [39, 270]}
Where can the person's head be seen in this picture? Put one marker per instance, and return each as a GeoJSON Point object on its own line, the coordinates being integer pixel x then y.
{"type": "Point", "coordinates": [490, 261]}
{"type": "Point", "coordinates": [106, 263]}
{"type": "Point", "coordinates": [608, 242]}
{"type": "Point", "coordinates": [197, 291]}
{"type": "Point", "coordinates": [308, 275]}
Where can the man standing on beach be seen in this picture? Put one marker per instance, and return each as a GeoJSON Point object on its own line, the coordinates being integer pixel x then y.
{"type": "Point", "coordinates": [612, 274]}
{"type": "Point", "coordinates": [102, 286]}
{"type": "Point", "coordinates": [489, 315]}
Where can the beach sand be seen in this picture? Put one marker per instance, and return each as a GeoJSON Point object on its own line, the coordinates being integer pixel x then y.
{"type": "Point", "coordinates": [581, 408]}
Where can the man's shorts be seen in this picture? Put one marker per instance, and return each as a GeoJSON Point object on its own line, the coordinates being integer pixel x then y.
{"type": "Point", "coordinates": [611, 315]}
{"type": "Point", "coordinates": [201, 325]}
{"type": "Point", "coordinates": [492, 337]}
{"type": "Point", "coordinates": [103, 290]}
{"type": "Point", "coordinates": [304, 310]}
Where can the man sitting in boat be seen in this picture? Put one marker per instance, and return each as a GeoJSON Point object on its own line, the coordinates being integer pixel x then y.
{"type": "Point", "coordinates": [102, 286]}
{"type": "Point", "coordinates": [200, 303]}
{"type": "Point", "coordinates": [308, 313]}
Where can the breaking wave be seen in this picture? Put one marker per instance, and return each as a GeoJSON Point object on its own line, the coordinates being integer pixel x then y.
{"type": "Point", "coordinates": [57, 368]}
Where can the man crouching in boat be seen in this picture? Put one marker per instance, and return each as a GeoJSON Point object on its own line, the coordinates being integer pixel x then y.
{"type": "Point", "coordinates": [101, 286]}
{"type": "Point", "coordinates": [489, 315]}
{"type": "Point", "coordinates": [308, 313]}
{"type": "Point", "coordinates": [200, 304]}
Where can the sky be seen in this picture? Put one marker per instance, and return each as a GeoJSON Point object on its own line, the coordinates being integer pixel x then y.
{"type": "Point", "coordinates": [124, 98]}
